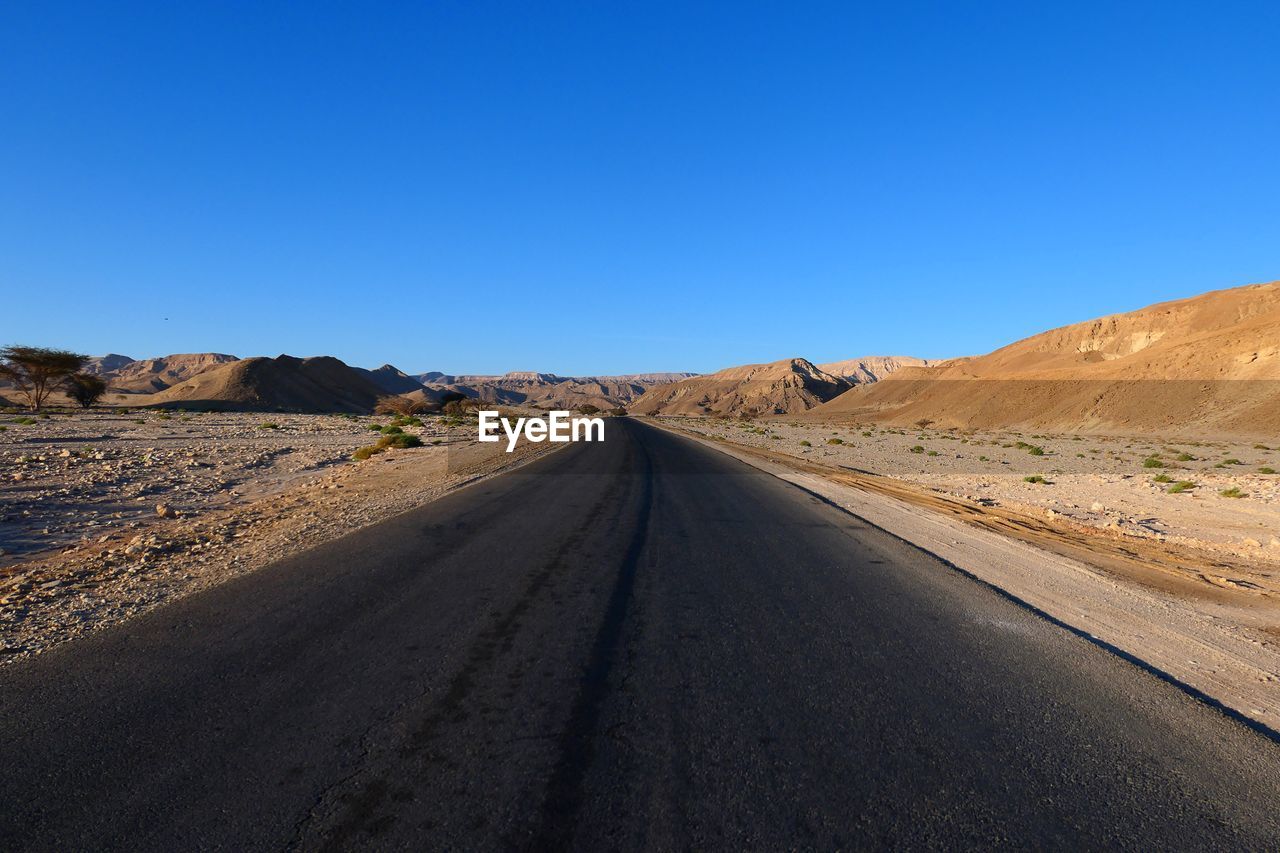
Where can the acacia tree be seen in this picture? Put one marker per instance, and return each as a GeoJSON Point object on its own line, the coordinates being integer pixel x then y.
{"type": "Point", "coordinates": [85, 388]}
{"type": "Point", "coordinates": [37, 371]}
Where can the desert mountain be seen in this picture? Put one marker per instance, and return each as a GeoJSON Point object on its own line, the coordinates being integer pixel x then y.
{"type": "Point", "coordinates": [320, 384]}
{"type": "Point", "coordinates": [872, 368]}
{"type": "Point", "coordinates": [435, 376]}
{"type": "Point", "coordinates": [547, 390]}
{"type": "Point", "coordinates": [147, 376]}
{"type": "Point", "coordinates": [781, 387]}
{"type": "Point", "coordinates": [1208, 364]}
{"type": "Point", "coordinates": [392, 380]}
{"type": "Point", "coordinates": [649, 378]}
{"type": "Point", "coordinates": [100, 365]}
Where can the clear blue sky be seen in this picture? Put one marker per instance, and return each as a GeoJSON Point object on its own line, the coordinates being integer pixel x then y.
{"type": "Point", "coordinates": [604, 187]}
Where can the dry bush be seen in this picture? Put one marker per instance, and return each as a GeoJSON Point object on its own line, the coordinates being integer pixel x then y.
{"type": "Point", "coordinates": [396, 405]}
{"type": "Point", "coordinates": [462, 407]}
{"type": "Point", "coordinates": [85, 388]}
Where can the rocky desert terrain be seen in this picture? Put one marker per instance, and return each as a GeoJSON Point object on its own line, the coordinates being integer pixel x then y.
{"type": "Point", "coordinates": [1152, 436]}
{"type": "Point", "coordinates": [107, 514]}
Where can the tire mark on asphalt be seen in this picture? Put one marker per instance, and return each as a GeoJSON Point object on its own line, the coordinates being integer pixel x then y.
{"type": "Point", "coordinates": [362, 808]}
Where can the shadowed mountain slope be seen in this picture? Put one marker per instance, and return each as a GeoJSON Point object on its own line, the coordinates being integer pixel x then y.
{"type": "Point", "coordinates": [285, 383]}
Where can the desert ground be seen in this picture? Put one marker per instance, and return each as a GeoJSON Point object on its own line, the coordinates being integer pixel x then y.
{"type": "Point", "coordinates": [105, 515]}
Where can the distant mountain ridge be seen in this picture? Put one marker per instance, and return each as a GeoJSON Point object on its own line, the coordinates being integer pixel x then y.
{"type": "Point", "coordinates": [284, 383]}
{"type": "Point", "coordinates": [780, 387]}
{"type": "Point", "coordinates": [147, 376]}
{"type": "Point", "coordinates": [1205, 365]}
{"type": "Point", "coordinates": [391, 379]}
{"type": "Point", "coordinates": [109, 363]}
{"type": "Point", "coordinates": [292, 383]}
{"type": "Point", "coordinates": [547, 390]}
{"type": "Point", "coordinates": [873, 368]}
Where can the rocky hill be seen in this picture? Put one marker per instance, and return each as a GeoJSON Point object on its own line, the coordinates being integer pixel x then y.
{"type": "Point", "coordinates": [125, 375]}
{"type": "Point", "coordinates": [872, 368]}
{"type": "Point", "coordinates": [549, 391]}
{"type": "Point", "coordinates": [285, 383]}
{"type": "Point", "coordinates": [781, 387]}
{"type": "Point", "coordinates": [101, 365]}
{"type": "Point", "coordinates": [391, 379]}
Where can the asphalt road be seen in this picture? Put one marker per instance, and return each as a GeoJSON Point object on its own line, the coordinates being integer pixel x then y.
{"type": "Point", "coordinates": [635, 644]}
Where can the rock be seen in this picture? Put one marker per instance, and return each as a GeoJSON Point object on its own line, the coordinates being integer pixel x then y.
{"type": "Point", "coordinates": [166, 511]}
{"type": "Point", "coordinates": [1253, 543]}
{"type": "Point", "coordinates": [1097, 507]}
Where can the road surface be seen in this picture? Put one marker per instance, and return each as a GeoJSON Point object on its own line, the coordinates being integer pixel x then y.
{"type": "Point", "coordinates": [639, 644]}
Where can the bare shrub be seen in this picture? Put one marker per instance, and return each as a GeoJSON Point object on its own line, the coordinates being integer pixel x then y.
{"type": "Point", "coordinates": [398, 405]}
{"type": "Point", "coordinates": [458, 408]}
{"type": "Point", "coordinates": [85, 388]}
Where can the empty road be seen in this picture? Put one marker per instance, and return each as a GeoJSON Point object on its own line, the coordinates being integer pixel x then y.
{"type": "Point", "coordinates": [639, 644]}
